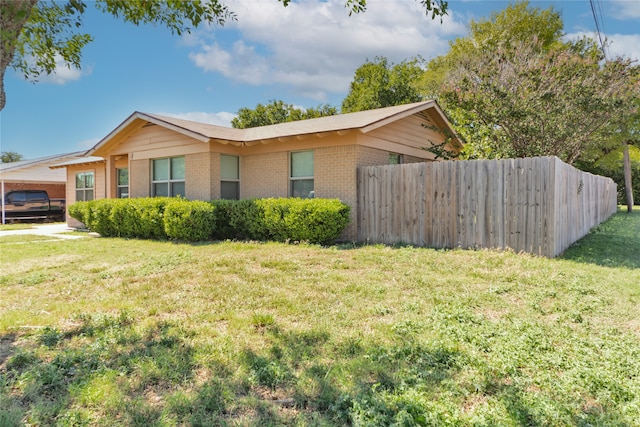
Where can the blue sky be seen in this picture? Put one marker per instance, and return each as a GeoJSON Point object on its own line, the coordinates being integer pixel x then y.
{"type": "Point", "coordinates": [305, 54]}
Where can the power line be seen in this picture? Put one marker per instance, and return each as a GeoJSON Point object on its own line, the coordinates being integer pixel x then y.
{"type": "Point", "coordinates": [598, 19]}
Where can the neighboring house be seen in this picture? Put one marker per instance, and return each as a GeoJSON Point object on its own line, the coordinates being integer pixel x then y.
{"type": "Point", "coordinates": [151, 155]}
{"type": "Point", "coordinates": [36, 174]}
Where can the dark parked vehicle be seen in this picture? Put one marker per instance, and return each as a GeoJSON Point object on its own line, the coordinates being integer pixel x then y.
{"type": "Point", "coordinates": [32, 204]}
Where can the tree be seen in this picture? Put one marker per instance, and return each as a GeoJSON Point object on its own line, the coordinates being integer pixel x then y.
{"type": "Point", "coordinates": [379, 84]}
{"type": "Point", "coordinates": [517, 23]}
{"type": "Point", "coordinates": [10, 156]}
{"type": "Point", "coordinates": [278, 112]}
{"type": "Point", "coordinates": [532, 94]}
{"type": "Point", "coordinates": [36, 34]}
{"type": "Point", "coordinates": [620, 160]}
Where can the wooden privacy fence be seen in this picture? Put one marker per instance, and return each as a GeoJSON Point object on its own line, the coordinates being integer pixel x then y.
{"type": "Point", "coordinates": [538, 205]}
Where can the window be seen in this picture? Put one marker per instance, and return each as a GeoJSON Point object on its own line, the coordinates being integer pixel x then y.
{"type": "Point", "coordinates": [17, 197]}
{"type": "Point", "coordinates": [230, 177]}
{"type": "Point", "coordinates": [35, 196]}
{"type": "Point", "coordinates": [395, 159]}
{"type": "Point", "coordinates": [301, 175]}
{"type": "Point", "coordinates": [167, 177]}
{"type": "Point", "coordinates": [123, 183]}
{"type": "Point", "coordinates": [84, 186]}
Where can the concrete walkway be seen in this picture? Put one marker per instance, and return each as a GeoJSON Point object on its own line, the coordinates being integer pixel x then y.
{"type": "Point", "coordinates": [54, 230]}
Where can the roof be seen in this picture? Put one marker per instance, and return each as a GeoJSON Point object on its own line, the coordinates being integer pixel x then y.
{"type": "Point", "coordinates": [37, 170]}
{"type": "Point", "coordinates": [78, 161]}
{"type": "Point", "coordinates": [363, 121]}
{"type": "Point", "coordinates": [40, 161]}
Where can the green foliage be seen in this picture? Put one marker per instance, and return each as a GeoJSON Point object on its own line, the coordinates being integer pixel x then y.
{"type": "Point", "coordinates": [50, 31]}
{"type": "Point", "coordinates": [513, 88]}
{"type": "Point", "coordinates": [131, 218]}
{"type": "Point", "coordinates": [277, 111]}
{"type": "Point", "coordinates": [49, 337]}
{"type": "Point", "coordinates": [239, 219]}
{"type": "Point", "coordinates": [379, 84]}
{"type": "Point", "coordinates": [10, 156]}
{"type": "Point", "coordinates": [517, 23]}
{"type": "Point", "coordinates": [80, 211]}
{"type": "Point", "coordinates": [312, 220]}
{"type": "Point", "coordinates": [611, 165]}
{"type": "Point", "coordinates": [189, 220]}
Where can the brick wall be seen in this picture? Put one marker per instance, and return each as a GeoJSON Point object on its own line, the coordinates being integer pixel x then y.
{"type": "Point", "coordinates": [335, 177]}
{"type": "Point", "coordinates": [55, 191]}
{"type": "Point", "coordinates": [98, 189]}
{"type": "Point", "coordinates": [139, 178]}
{"type": "Point", "coordinates": [214, 184]}
{"type": "Point", "coordinates": [371, 156]}
{"type": "Point", "coordinates": [198, 175]}
{"type": "Point", "coordinates": [264, 175]}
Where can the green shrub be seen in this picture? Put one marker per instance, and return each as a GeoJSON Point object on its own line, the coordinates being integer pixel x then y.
{"type": "Point", "coordinates": [100, 217]}
{"type": "Point", "coordinates": [132, 218]}
{"type": "Point", "coordinates": [287, 219]}
{"type": "Point", "coordinates": [312, 220]}
{"type": "Point", "coordinates": [148, 217]}
{"type": "Point", "coordinates": [238, 219]}
{"type": "Point", "coordinates": [189, 220]}
{"type": "Point", "coordinates": [80, 211]}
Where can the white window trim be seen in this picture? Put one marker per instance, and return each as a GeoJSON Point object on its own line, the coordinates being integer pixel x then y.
{"type": "Point", "coordinates": [236, 180]}
{"type": "Point", "coordinates": [167, 181]}
{"type": "Point", "coordinates": [118, 186]}
{"type": "Point", "coordinates": [84, 190]}
{"type": "Point", "coordinates": [301, 178]}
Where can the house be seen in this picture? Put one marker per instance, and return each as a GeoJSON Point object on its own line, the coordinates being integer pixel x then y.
{"type": "Point", "coordinates": [36, 174]}
{"type": "Point", "coordinates": [151, 155]}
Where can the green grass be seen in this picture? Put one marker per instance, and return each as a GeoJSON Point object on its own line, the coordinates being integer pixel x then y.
{"type": "Point", "coordinates": [128, 332]}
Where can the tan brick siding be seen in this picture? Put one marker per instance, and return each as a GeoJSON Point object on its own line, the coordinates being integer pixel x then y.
{"type": "Point", "coordinates": [371, 156]}
{"type": "Point", "coordinates": [215, 176]}
{"type": "Point", "coordinates": [264, 175]}
{"type": "Point", "coordinates": [139, 178]}
{"type": "Point", "coordinates": [335, 177]}
{"type": "Point", "coordinates": [98, 189]}
{"type": "Point", "coordinates": [198, 176]}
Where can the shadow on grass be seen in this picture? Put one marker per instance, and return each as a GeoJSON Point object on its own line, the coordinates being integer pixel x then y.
{"type": "Point", "coordinates": [108, 371]}
{"type": "Point", "coordinates": [614, 243]}
{"type": "Point", "coordinates": [527, 410]}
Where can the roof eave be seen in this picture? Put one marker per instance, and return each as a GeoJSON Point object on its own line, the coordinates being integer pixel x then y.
{"type": "Point", "coordinates": [145, 117]}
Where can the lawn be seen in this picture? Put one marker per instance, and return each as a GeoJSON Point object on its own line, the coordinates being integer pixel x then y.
{"type": "Point", "coordinates": [115, 332]}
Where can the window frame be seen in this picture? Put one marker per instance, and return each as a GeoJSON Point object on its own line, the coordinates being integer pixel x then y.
{"type": "Point", "coordinates": [119, 186]}
{"type": "Point", "coordinates": [170, 182]}
{"type": "Point", "coordinates": [298, 179]}
{"type": "Point", "coordinates": [397, 156]}
{"type": "Point", "coordinates": [224, 179]}
{"type": "Point", "coordinates": [84, 190]}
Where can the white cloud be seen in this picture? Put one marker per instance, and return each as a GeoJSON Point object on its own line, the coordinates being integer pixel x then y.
{"type": "Point", "coordinates": [626, 9]}
{"type": "Point", "coordinates": [219, 119]}
{"type": "Point", "coordinates": [315, 46]}
{"type": "Point", "coordinates": [63, 74]}
{"type": "Point", "coordinates": [624, 45]}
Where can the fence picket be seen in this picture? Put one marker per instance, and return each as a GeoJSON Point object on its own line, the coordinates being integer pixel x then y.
{"type": "Point", "coordinates": [538, 205]}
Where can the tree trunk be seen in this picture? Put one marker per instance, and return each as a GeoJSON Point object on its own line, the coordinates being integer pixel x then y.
{"type": "Point", "coordinates": [627, 177]}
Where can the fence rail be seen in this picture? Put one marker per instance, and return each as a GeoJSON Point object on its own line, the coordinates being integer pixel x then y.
{"type": "Point", "coordinates": [538, 205]}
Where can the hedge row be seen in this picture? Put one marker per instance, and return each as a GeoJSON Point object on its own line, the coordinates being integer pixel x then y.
{"type": "Point", "coordinates": [291, 219]}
